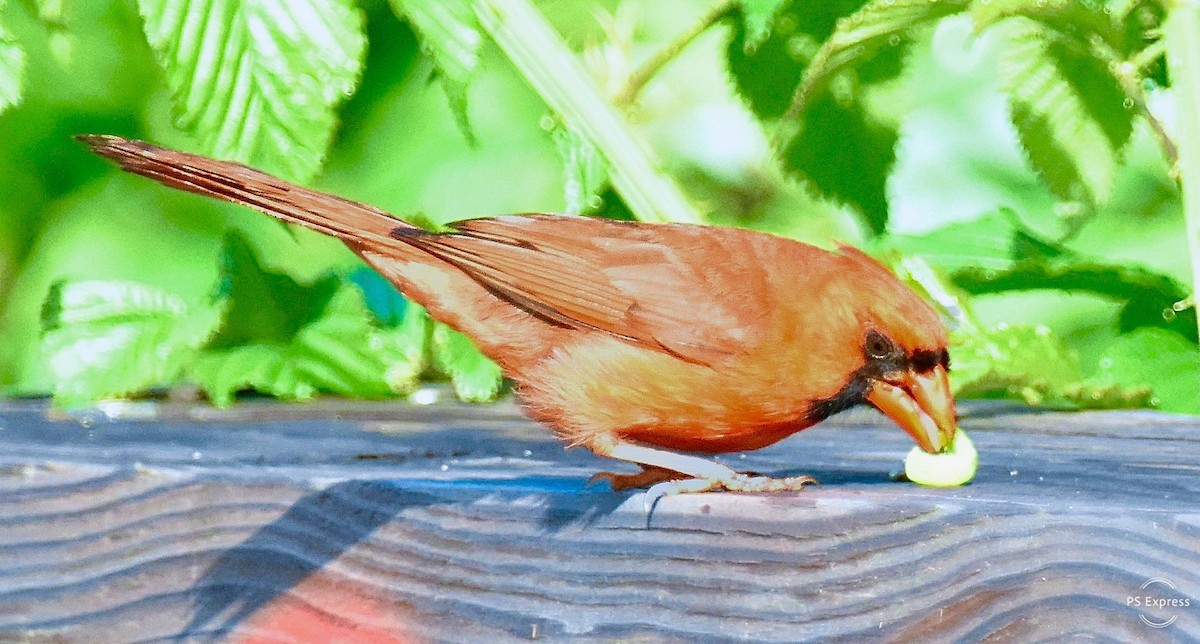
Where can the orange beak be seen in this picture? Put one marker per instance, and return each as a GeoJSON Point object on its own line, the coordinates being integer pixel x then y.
{"type": "Point", "coordinates": [921, 404]}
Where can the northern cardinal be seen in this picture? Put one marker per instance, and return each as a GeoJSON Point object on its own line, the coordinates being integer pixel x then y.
{"type": "Point", "coordinates": [638, 340]}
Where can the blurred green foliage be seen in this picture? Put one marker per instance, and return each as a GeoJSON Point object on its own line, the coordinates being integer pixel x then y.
{"type": "Point", "coordinates": [1012, 157]}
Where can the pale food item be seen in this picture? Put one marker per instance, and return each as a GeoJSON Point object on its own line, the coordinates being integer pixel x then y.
{"type": "Point", "coordinates": [951, 467]}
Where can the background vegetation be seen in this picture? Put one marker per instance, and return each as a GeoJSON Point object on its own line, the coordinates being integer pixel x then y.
{"type": "Point", "coordinates": [1016, 160]}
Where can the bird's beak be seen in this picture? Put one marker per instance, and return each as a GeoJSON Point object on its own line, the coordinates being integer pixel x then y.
{"type": "Point", "coordinates": [921, 404]}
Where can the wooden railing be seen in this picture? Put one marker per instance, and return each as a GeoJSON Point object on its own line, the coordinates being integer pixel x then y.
{"type": "Point", "coordinates": [344, 521]}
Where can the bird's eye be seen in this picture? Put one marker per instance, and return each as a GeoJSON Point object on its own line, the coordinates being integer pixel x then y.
{"type": "Point", "coordinates": [878, 346]}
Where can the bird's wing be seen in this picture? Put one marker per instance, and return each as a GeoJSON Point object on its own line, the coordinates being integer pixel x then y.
{"type": "Point", "coordinates": [667, 287]}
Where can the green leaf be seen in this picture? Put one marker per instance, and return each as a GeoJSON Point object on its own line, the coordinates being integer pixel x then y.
{"type": "Point", "coordinates": [475, 377]}
{"type": "Point", "coordinates": [258, 81]}
{"type": "Point", "coordinates": [339, 352]}
{"type": "Point", "coordinates": [811, 70]}
{"type": "Point", "coordinates": [1034, 366]}
{"type": "Point", "coordinates": [1164, 361]}
{"type": "Point", "coordinates": [1079, 18]}
{"type": "Point", "coordinates": [997, 254]}
{"type": "Point", "coordinates": [1022, 362]}
{"type": "Point", "coordinates": [1089, 395]}
{"type": "Point", "coordinates": [104, 339]}
{"type": "Point", "coordinates": [1068, 110]}
{"type": "Point", "coordinates": [759, 15]}
{"type": "Point", "coordinates": [585, 169]}
{"type": "Point", "coordinates": [984, 243]}
{"type": "Point", "coordinates": [1149, 297]}
{"type": "Point", "coordinates": [767, 74]}
{"type": "Point", "coordinates": [12, 67]}
{"type": "Point", "coordinates": [811, 43]}
{"type": "Point", "coordinates": [858, 37]}
{"type": "Point", "coordinates": [413, 337]}
{"type": "Point", "coordinates": [993, 243]}
{"type": "Point", "coordinates": [450, 33]}
{"type": "Point", "coordinates": [264, 307]}
{"type": "Point", "coordinates": [293, 341]}
{"type": "Point", "coordinates": [1011, 362]}
{"type": "Point", "coordinates": [223, 373]}
{"type": "Point", "coordinates": [846, 156]}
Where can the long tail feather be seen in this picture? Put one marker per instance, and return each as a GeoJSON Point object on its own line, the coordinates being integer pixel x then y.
{"type": "Point", "coordinates": [347, 220]}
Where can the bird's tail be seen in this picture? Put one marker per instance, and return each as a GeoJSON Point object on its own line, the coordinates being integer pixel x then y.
{"type": "Point", "coordinates": [347, 220]}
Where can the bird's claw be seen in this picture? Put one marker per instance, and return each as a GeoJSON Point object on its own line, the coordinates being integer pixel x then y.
{"type": "Point", "coordinates": [737, 482]}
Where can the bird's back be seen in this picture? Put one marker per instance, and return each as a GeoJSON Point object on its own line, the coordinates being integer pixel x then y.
{"type": "Point", "coordinates": [720, 354]}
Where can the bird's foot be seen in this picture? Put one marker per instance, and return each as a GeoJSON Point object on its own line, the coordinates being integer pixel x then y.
{"type": "Point", "coordinates": [649, 475]}
{"type": "Point", "coordinates": [673, 473]}
{"type": "Point", "coordinates": [737, 482]}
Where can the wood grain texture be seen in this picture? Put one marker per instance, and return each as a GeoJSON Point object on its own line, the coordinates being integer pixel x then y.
{"type": "Point", "coordinates": [385, 522]}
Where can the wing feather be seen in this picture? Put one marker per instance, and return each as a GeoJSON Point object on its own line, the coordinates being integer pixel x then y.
{"type": "Point", "coordinates": [660, 286]}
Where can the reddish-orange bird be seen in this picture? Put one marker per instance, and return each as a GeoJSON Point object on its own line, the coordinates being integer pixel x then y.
{"type": "Point", "coordinates": [638, 341]}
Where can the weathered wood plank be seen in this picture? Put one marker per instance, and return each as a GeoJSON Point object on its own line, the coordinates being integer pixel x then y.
{"type": "Point", "coordinates": [346, 522]}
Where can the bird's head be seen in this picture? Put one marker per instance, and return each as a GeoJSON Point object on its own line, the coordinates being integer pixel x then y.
{"type": "Point", "coordinates": [901, 352]}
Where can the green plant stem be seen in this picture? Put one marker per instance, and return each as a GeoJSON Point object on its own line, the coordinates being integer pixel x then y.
{"type": "Point", "coordinates": [1182, 37]}
{"type": "Point", "coordinates": [1120, 10]}
{"type": "Point", "coordinates": [1129, 77]}
{"type": "Point", "coordinates": [650, 68]}
{"type": "Point", "coordinates": [549, 65]}
{"type": "Point", "coordinates": [1150, 53]}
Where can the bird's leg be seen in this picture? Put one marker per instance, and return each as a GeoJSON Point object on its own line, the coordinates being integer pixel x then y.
{"type": "Point", "coordinates": [649, 475]}
{"type": "Point", "coordinates": [702, 475]}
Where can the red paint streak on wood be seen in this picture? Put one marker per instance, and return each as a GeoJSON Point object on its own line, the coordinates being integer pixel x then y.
{"type": "Point", "coordinates": [326, 607]}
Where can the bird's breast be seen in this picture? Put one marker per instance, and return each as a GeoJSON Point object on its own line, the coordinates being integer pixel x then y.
{"type": "Point", "coordinates": [601, 386]}
{"type": "Point", "coordinates": [704, 436]}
